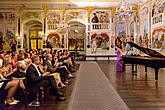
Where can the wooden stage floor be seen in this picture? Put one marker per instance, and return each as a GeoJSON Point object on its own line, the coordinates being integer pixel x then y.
{"type": "Point", "coordinates": [138, 92]}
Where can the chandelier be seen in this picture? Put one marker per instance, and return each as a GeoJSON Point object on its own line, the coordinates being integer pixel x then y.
{"type": "Point", "coordinates": [124, 10]}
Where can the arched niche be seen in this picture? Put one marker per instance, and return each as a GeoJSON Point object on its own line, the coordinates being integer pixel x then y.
{"type": "Point", "coordinates": [76, 35]}
{"type": "Point", "coordinates": [32, 34]}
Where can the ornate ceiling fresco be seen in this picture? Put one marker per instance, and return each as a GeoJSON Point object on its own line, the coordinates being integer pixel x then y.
{"type": "Point", "coordinates": [63, 3]}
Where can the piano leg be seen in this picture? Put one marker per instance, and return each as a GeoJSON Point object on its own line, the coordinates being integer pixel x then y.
{"type": "Point", "coordinates": [145, 72]}
{"type": "Point", "coordinates": [156, 73]}
{"type": "Point", "coordinates": [123, 67]}
{"type": "Point", "coordinates": [146, 69]}
{"type": "Point", "coordinates": [134, 69]}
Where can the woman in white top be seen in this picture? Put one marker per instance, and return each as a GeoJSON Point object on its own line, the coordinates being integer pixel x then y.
{"type": "Point", "coordinates": [7, 82]}
{"type": "Point", "coordinates": [11, 86]}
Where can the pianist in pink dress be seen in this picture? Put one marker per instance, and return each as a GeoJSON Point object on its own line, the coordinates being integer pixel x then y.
{"type": "Point", "coordinates": [118, 62]}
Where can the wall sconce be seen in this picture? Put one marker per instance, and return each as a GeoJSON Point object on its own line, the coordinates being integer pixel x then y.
{"type": "Point", "coordinates": [75, 31]}
{"type": "Point", "coordinates": [19, 38]}
{"type": "Point", "coordinates": [138, 23]}
{"type": "Point", "coordinates": [45, 37]}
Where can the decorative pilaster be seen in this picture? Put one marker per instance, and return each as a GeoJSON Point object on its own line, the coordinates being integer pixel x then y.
{"type": "Point", "coordinates": [137, 20]}
{"type": "Point", "coordinates": [44, 26]}
{"type": "Point", "coordinates": [18, 29]}
{"type": "Point", "coordinates": [89, 9]}
{"type": "Point", "coordinates": [150, 26]}
{"type": "Point", "coordinates": [63, 9]}
{"type": "Point", "coordinates": [113, 21]}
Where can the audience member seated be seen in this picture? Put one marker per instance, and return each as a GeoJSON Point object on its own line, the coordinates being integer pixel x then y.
{"type": "Point", "coordinates": [36, 79]}
{"type": "Point", "coordinates": [20, 57]}
{"type": "Point", "coordinates": [53, 73]}
{"type": "Point", "coordinates": [44, 56]}
{"type": "Point", "coordinates": [9, 85]}
{"type": "Point", "coordinates": [63, 72]}
{"type": "Point", "coordinates": [7, 67]}
{"type": "Point", "coordinates": [60, 62]}
{"type": "Point", "coordinates": [68, 58]}
{"type": "Point", "coordinates": [14, 60]}
{"type": "Point", "coordinates": [57, 77]}
{"type": "Point", "coordinates": [27, 59]}
{"type": "Point", "coordinates": [10, 73]}
{"type": "Point", "coordinates": [20, 73]}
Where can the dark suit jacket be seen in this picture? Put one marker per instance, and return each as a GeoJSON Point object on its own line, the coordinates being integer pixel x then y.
{"type": "Point", "coordinates": [33, 79]}
{"type": "Point", "coordinates": [18, 74]}
{"type": "Point", "coordinates": [50, 67]}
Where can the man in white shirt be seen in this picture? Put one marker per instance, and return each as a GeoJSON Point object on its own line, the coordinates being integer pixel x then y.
{"type": "Point", "coordinates": [36, 79]}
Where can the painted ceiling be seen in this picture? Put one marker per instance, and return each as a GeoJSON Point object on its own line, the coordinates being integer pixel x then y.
{"type": "Point", "coordinates": [64, 3]}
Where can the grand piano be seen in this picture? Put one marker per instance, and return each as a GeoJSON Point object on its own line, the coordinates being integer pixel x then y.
{"type": "Point", "coordinates": [154, 59]}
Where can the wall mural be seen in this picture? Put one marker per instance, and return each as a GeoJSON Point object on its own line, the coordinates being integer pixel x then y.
{"type": "Point", "coordinates": [158, 38]}
{"type": "Point", "coordinates": [55, 40]}
{"type": "Point", "coordinates": [100, 20]}
{"type": "Point", "coordinates": [80, 14]}
{"type": "Point", "coordinates": [53, 21]}
{"type": "Point", "coordinates": [7, 30]}
{"type": "Point", "coordinates": [56, 23]}
{"type": "Point", "coordinates": [101, 17]}
{"type": "Point", "coordinates": [158, 22]}
{"type": "Point", "coordinates": [31, 15]}
{"type": "Point", "coordinates": [7, 16]}
{"type": "Point", "coordinates": [121, 33]}
{"type": "Point", "coordinates": [102, 40]}
{"type": "Point", "coordinates": [56, 29]}
{"type": "Point", "coordinates": [158, 6]}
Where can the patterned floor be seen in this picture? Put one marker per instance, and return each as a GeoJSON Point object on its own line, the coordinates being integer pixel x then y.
{"type": "Point", "coordinates": [92, 91]}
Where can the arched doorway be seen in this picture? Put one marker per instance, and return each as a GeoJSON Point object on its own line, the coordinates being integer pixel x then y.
{"type": "Point", "coordinates": [76, 36]}
{"type": "Point", "coordinates": [33, 35]}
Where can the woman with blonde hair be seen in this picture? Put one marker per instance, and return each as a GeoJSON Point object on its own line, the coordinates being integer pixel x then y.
{"type": "Point", "coordinates": [11, 86]}
{"type": "Point", "coordinates": [8, 84]}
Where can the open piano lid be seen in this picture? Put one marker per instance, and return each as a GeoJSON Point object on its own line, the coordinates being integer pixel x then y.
{"type": "Point", "coordinates": [147, 51]}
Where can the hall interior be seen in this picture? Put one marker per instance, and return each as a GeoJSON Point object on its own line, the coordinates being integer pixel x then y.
{"type": "Point", "coordinates": [40, 24]}
{"type": "Point", "coordinates": [91, 31]}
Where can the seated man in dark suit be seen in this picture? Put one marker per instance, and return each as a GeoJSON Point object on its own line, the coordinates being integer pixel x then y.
{"type": "Point", "coordinates": [36, 79]}
{"type": "Point", "coordinates": [63, 72]}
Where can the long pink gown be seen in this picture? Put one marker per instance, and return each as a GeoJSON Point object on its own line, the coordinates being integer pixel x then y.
{"type": "Point", "coordinates": [118, 62]}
